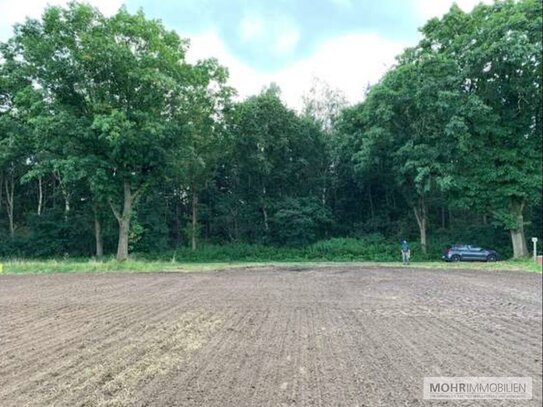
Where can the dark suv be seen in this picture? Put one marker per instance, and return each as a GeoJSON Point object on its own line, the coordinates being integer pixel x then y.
{"type": "Point", "coordinates": [466, 252]}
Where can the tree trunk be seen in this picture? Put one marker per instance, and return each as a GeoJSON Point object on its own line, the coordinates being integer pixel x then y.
{"type": "Point", "coordinates": [517, 233]}
{"type": "Point", "coordinates": [66, 207]}
{"type": "Point", "coordinates": [265, 214]}
{"type": "Point", "coordinates": [264, 210]}
{"type": "Point", "coordinates": [370, 200]}
{"type": "Point", "coordinates": [98, 235]}
{"type": "Point", "coordinates": [324, 190]}
{"type": "Point", "coordinates": [519, 244]}
{"type": "Point", "coordinates": [124, 220]}
{"type": "Point", "coordinates": [122, 245]}
{"type": "Point", "coordinates": [236, 225]}
{"type": "Point", "coordinates": [194, 219]}
{"type": "Point", "coordinates": [9, 184]}
{"type": "Point", "coordinates": [423, 243]}
{"type": "Point", "coordinates": [40, 195]}
{"type": "Point", "coordinates": [1, 187]}
{"type": "Point", "coordinates": [422, 221]}
{"type": "Point", "coordinates": [54, 193]}
{"type": "Point", "coordinates": [177, 235]}
{"type": "Point", "coordinates": [65, 194]}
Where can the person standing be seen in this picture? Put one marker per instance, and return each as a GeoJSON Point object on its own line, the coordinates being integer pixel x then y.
{"type": "Point", "coordinates": [406, 253]}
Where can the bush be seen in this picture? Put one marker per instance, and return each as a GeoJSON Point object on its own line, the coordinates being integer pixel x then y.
{"type": "Point", "coordinates": [299, 222]}
{"type": "Point", "coordinates": [371, 248]}
{"type": "Point", "coordinates": [50, 235]}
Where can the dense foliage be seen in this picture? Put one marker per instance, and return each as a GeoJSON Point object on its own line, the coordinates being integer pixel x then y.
{"type": "Point", "coordinates": [110, 142]}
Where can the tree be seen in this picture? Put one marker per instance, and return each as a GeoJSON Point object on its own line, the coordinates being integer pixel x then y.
{"type": "Point", "coordinates": [498, 50]}
{"type": "Point", "coordinates": [299, 221]}
{"type": "Point", "coordinates": [16, 103]}
{"type": "Point", "coordinates": [200, 120]}
{"type": "Point", "coordinates": [113, 81]}
{"type": "Point", "coordinates": [108, 136]}
{"type": "Point", "coordinates": [367, 198]}
{"type": "Point", "coordinates": [407, 116]}
{"type": "Point", "coordinates": [273, 155]}
{"type": "Point", "coordinates": [12, 154]}
{"type": "Point", "coordinates": [322, 105]}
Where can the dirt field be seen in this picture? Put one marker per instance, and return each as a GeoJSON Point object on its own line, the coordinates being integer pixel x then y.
{"type": "Point", "coordinates": [340, 336]}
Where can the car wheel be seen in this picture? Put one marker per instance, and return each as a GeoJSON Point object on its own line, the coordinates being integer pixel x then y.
{"type": "Point", "coordinates": [455, 258]}
{"type": "Point", "coordinates": [491, 258]}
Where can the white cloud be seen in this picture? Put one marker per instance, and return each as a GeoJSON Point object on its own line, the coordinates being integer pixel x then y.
{"type": "Point", "coordinates": [251, 28]}
{"type": "Point", "coordinates": [246, 80]}
{"type": "Point", "coordinates": [278, 34]}
{"type": "Point", "coordinates": [286, 39]}
{"type": "Point", "coordinates": [348, 63]}
{"type": "Point", "coordinates": [13, 11]}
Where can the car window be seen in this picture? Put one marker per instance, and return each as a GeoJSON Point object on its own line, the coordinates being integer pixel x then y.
{"type": "Point", "coordinates": [475, 249]}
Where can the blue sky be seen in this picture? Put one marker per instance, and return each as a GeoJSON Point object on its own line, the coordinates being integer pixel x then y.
{"type": "Point", "coordinates": [345, 43]}
{"type": "Point", "coordinates": [269, 35]}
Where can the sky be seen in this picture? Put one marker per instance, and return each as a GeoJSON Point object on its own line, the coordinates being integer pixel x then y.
{"type": "Point", "coordinates": [348, 44]}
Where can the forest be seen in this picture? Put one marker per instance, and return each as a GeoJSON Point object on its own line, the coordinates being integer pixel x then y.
{"type": "Point", "coordinates": [113, 144]}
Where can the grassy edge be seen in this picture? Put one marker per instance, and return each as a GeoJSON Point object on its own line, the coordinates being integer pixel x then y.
{"type": "Point", "coordinates": [85, 266]}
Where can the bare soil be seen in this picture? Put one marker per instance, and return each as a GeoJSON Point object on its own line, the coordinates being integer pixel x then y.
{"type": "Point", "coordinates": [341, 336]}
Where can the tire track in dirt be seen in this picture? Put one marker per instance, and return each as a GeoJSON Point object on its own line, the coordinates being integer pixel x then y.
{"type": "Point", "coordinates": [49, 343]}
{"type": "Point", "coordinates": [52, 303]}
{"type": "Point", "coordinates": [47, 329]}
{"type": "Point", "coordinates": [52, 360]}
{"type": "Point", "coordinates": [189, 375]}
{"type": "Point", "coordinates": [336, 336]}
{"type": "Point", "coordinates": [114, 335]}
{"type": "Point", "coordinates": [487, 357]}
{"type": "Point", "coordinates": [155, 354]}
{"type": "Point", "coordinates": [44, 338]}
{"type": "Point", "coordinates": [91, 361]}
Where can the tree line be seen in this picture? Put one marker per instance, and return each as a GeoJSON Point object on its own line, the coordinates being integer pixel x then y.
{"type": "Point", "coordinates": [111, 140]}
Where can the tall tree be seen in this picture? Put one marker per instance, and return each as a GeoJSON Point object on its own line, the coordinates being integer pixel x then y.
{"type": "Point", "coordinates": [274, 155]}
{"type": "Point", "coordinates": [323, 104]}
{"type": "Point", "coordinates": [200, 120]}
{"type": "Point", "coordinates": [17, 99]}
{"type": "Point", "coordinates": [115, 79]}
{"type": "Point", "coordinates": [498, 50]}
{"type": "Point", "coordinates": [407, 116]}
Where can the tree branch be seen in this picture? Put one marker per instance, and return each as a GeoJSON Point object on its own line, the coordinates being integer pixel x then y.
{"type": "Point", "coordinates": [115, 210]}
{"type": "Point", "coordinates": [138, 193]}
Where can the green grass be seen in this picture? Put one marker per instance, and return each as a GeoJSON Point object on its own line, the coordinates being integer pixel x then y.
{"type": "Point", "coordinates": [512, 265]}
{"type": "Point", "coordinates": [110, 265]}
{"type": "Point", "coordinates": [80, 266]}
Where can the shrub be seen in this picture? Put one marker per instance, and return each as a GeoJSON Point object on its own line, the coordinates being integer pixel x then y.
{"type": "Point", "coordinates": [299, 222]}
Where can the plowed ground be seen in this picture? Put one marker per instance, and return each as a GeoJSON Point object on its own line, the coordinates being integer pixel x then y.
{"type": "Point", "coordinates": [342, 336]}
